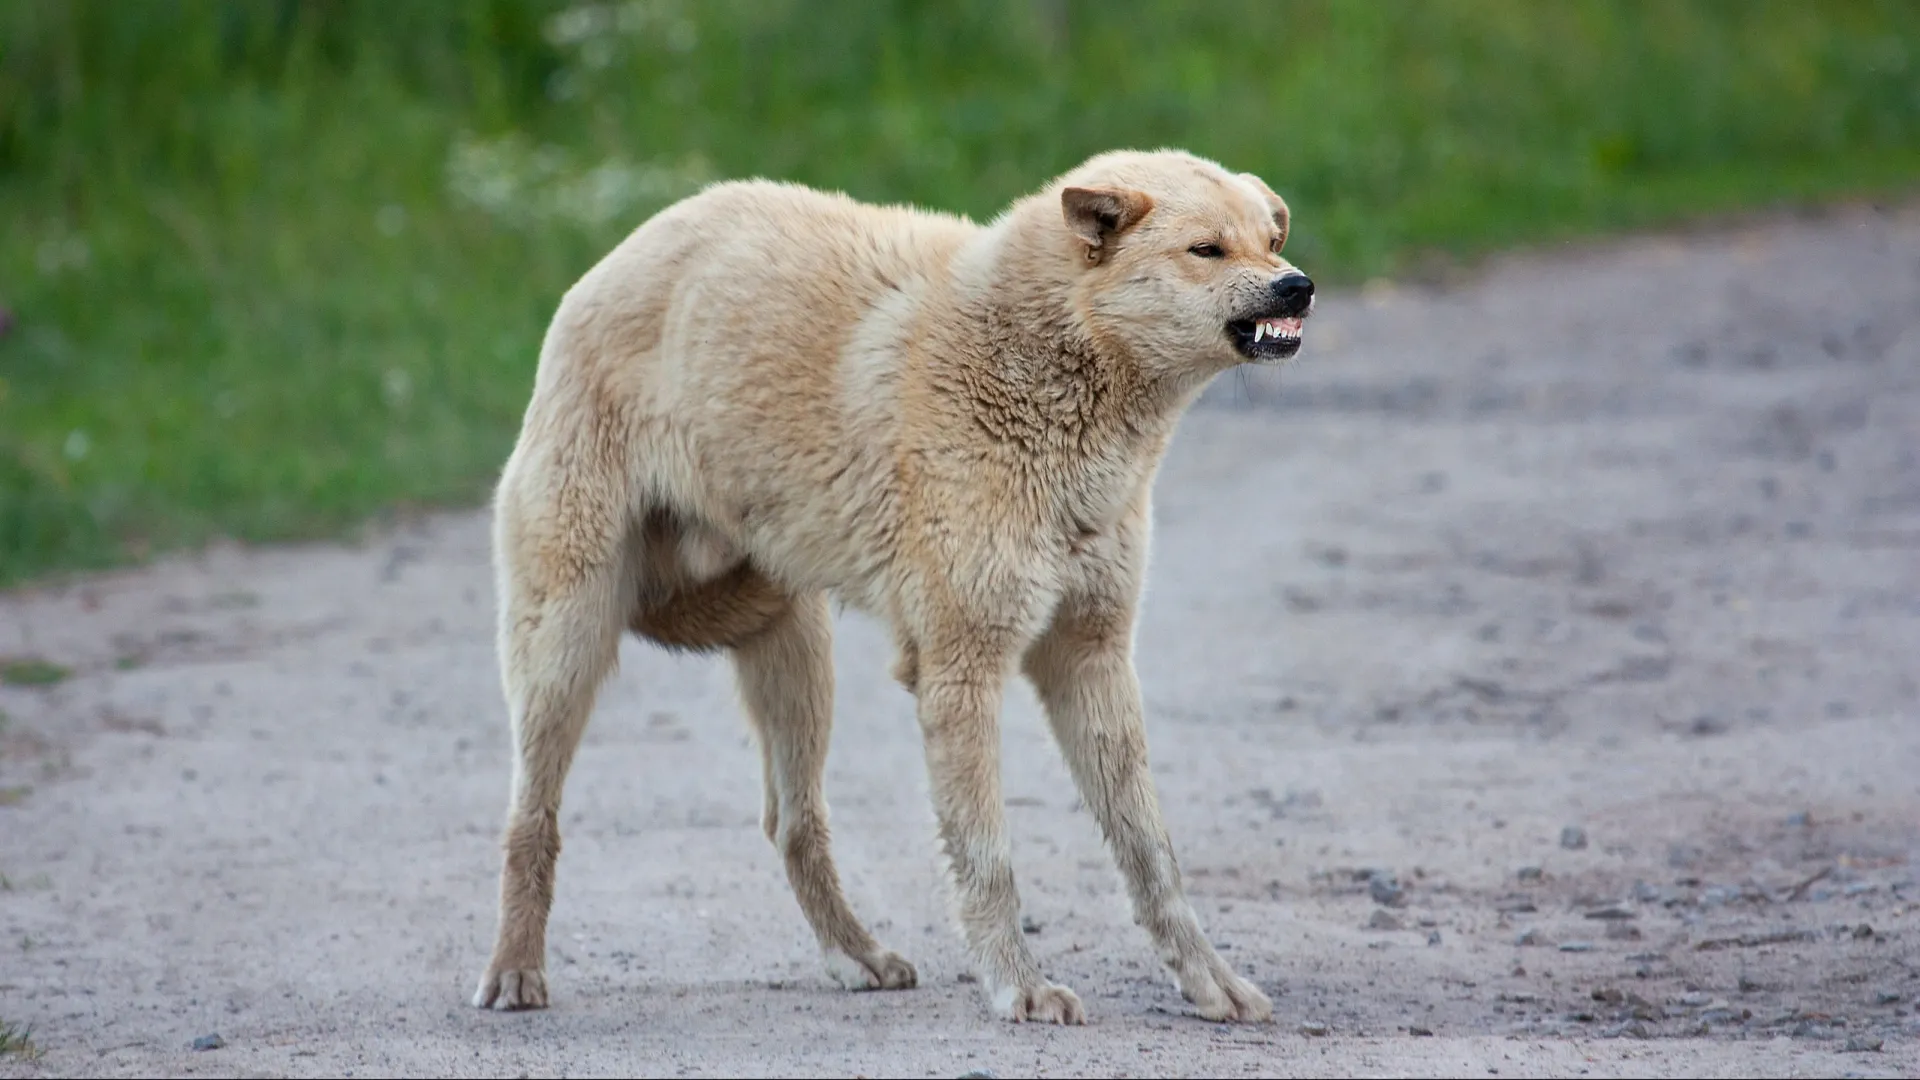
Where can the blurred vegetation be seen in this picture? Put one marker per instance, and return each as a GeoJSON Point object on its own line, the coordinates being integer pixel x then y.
{"type": "Point", "coordinates": [272, 266]}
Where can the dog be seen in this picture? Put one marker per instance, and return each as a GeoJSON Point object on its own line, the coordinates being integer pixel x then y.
{"type": "Point", "coordinates": [767, 396]}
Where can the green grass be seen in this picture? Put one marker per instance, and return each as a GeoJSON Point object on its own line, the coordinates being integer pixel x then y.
{"type": "Point", "coordinates": [30, 671]}
{"type": "Point", "coordinates": [276, 266]}
{"type": "Point", "coordinates": [18, 1041]}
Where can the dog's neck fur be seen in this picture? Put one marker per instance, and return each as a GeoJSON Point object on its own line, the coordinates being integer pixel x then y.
{"type": "Point", "coordinates": [1033, 371]}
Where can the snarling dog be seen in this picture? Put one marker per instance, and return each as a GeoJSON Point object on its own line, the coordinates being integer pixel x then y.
{"type": "Point", "coordinates": [767, 396]}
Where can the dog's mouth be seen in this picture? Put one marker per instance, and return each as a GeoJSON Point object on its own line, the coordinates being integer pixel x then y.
{"type": "Point", "coordinates": [1270, 338]}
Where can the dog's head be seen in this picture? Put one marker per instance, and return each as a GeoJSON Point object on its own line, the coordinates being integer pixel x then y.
{"type": "Point", "coordinates": [1177, 260]}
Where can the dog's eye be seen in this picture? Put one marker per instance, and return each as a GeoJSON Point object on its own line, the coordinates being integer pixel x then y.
{"type": "Point", "coordinates": [1207, 251]}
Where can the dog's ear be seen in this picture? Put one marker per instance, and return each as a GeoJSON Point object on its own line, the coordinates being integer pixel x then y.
{"type": "Point", "coordinates": [1097, 214]}
{"type": "Point", "coordinates": [1274, 202]}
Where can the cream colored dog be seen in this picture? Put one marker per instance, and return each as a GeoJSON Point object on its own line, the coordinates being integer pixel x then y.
{"type": "Point", "coordinates": [767, 395]}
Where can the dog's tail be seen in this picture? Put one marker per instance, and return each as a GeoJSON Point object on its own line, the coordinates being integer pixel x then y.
{"type": "Point", "coordinates": [717, 614]}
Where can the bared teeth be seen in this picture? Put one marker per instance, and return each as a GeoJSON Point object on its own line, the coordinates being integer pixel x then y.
{"type": "Point", "coordinates": [1287, 329]}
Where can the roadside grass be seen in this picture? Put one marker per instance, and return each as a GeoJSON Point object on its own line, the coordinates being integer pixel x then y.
{"type": "Point", "coordinates": [276, 267]}
{"type": "Point", "coordinates": [17, 1041]}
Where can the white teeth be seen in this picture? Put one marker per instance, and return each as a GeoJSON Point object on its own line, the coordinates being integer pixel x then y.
{"type": "Point", "coordinates": [1259, 331]}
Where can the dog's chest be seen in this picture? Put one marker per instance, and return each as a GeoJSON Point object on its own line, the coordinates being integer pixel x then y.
{"type": "Point", "coordinates": [1092, 495]}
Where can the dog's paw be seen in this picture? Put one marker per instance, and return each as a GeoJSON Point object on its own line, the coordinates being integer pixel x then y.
{"type": "Point", "coordinates": [1042, 1004]}
{"type": "Point", "coordinates": [513, 990]}
{"type": "Point", "coordinates": [1218, 994]}
{"type": "Point", "coordinates": [878, 970]}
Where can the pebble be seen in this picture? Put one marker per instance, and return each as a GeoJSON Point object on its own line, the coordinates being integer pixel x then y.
{"type": "Point", "coordinates": [1531, 936]}
{"type": "Point", "coordinates": [209, 1042]}
{"type": "Point", "coordinates": [1415, 1029]}
{"type": "Point", "coordinates": [1030, 925]}
{"type": "Point", "coordinates": [1887, 997]}
{"type": "Point", "coordinates": [1384, 920]}
{"type": "Point", "coordinates": [1864, 1044]}
{"type": "Point", "coordinates": [1862, 932]}
{"type": "Point", "coordinates": [1313, 1029]}
{"type": "Point", "coordinates": [979, 1074]}
{"type": "Point", "coordinates": [1433, 938]}
{"type": "Point", "coordinates": [1573, 838]}
{"type": "Point", "coordinates": [1529, 873]}
{"type": "Point", "coordinates": [1800, 819]}
{"type": "Point", "coordinates": [1612, 911]}
{"type": "Point", "coordinates": [1386, 890]}
{"type": "Point", "coordinates": [1622, 932]}
{"type": "Point", "coordinates": [1706, 724]}
{"type": "Point", "coordinates": [1576, 946]}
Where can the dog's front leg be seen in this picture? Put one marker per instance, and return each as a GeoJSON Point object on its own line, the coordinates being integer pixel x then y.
{"type": "Point", "coordinates": [959, 688]}
{"type": "Point", "coordinates": [1083, 670]}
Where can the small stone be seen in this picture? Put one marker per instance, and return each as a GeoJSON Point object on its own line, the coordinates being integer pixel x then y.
{"type": "Point", "coordinates": [979, 1074]}
{"type": "Point", "coordinates": [1622, 932]}
{"type": "Point", "coordinates": [1313, 1029]}
{"type": "Point", "coordinates": [1887, 997]}
{"type": "Point", "coordinates": [1608, 994]}
{"type": "Point", "coordinates": [1749, 985]}
{"type": "Point", "coordinates": [1416, 1029]}
{"type": "Point", "coordinates": [209, 1042]}
{"type": "Point", "coordinates": [1576, 946]}
{"type": "Point", "coordinates": [1573, 838]}
{"type": "Point", "coordinates": [1531, 936]}
{"type": "Point", "coordinates": [1385, 889]}
{"type": "Point", "coordinates": [1807, 1029]}
{"type": "Point", "coordinates": [1800, 819]}
{"type": "Point", "coordinates": [1529, 873]}
{"type": "Point", "coordinates": [1706, 724]}
{"type": "Point", "coordinates": [1433, 938]}
{"type": "Point", "coordinates": [1029, 924]}
{"type": "Point", "coordinates": [1645, 893]}
{"type": "Point", "coordinates": [1862, 932]}
{"type": "Point", "coordinates": [1694, 999]}
{"type": "Point", "coordinates": [1863, 1044]}
{"type": "Point", "coordinates": [1613, 911]}
{"type": "Point", "coordinates": [1639, 1030]}
{"type": "Point", "coordinates": [1384, 920]}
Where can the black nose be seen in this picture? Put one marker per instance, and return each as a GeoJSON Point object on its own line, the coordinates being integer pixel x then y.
{"type": "Point", "coordinates": [1294, 292]}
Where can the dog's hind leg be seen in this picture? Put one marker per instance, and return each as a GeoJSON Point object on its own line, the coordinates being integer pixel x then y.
{"type": "Point", "coordinates": [785, 674]}
{"type": "Point", "coordinates": [560, 553]}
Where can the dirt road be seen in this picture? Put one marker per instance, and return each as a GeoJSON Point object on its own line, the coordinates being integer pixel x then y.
{"type": "Point", "coordinates": [1534, 683]}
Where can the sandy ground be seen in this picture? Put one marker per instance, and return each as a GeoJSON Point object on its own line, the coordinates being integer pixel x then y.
{"type": "Point", "coordinates": [1625, 539]}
